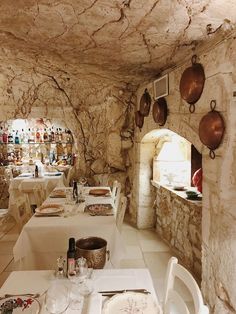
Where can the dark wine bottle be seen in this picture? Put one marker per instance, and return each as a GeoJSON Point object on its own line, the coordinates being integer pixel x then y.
{"type": "Point", "coordinates": [71, 257]}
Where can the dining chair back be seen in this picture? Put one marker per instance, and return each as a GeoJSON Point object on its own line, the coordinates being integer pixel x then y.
{"type": "Point", "coordinates": [173, 297]}
{"type": "Point", "coordinates": [121, 212]}
{"type": "Point", "coordinates": [115, 193]}
{"type": "Point", "coordinates": [20, 211]}
{"type": "Point", "coordinates": [39, 194]}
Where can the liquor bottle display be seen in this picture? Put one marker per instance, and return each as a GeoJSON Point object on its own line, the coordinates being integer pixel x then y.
{"type": "Point", "coordinates": [33, 141]}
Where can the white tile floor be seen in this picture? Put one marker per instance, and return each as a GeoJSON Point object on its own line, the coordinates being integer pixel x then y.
{"type": "Point", "coordinates": [144, 249]}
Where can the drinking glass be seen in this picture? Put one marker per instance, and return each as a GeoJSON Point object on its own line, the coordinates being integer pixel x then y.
{"type": "Point", "coordinates": [57, 298]}
{"type": "Point", "coordinates": [69, 197]}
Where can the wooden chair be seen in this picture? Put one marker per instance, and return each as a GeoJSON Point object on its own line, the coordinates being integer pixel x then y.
{"type": "Point", "coordinates": [172, 297]}
{"type": "Point", "coordinates": [20, 211]}
{"type": "Point", "coordinates": [121, 212]}
{"type": "Point", "coordinates": [115, 193]}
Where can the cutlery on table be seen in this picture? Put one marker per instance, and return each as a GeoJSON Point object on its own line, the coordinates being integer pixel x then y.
{"type": "Point", "coordinates": [113, 292]}
{"type": "Point", "coordinates": [32, 295]}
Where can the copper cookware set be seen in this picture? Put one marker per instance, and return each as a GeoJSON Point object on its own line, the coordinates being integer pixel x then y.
{"type": "Point", "coordinates": [211, 126]}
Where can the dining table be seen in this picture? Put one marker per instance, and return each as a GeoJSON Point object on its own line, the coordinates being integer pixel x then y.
{"type": "Point", "coordinates": [26, 182]}
{"type": "Point", "coordinates": [116, 282]}
{"type": "Point", "coordinates": [45, 237]}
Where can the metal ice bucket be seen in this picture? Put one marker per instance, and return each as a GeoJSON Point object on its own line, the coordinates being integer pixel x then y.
{"type": "Point", "coordinates": [94, 249]}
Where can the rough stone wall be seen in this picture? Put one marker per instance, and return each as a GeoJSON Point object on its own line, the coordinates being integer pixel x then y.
{"type": "Point", "coordinates": [179, 223]}
{"type": "Point", "coordinates": [219, 175]}
{"type": "Point", "coordinates": [100, 117]}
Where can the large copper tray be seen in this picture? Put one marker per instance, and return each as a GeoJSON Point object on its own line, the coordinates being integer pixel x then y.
{"type": "Point", "coordinates": [159, 111]}
{"type": "Point", "coordinates": [211, 129]}
{"type": "Point", "coordinates": [192, 83]}
{"type": "Point", "coordinates": [139, 119]}
{"type": "Point", "coordinates": [145, 103]}
{"type": "Point", "coordinates": [99, 192]}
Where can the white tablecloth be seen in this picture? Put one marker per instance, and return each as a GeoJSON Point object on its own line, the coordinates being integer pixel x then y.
{"type": "Point", "coordinates": [28, 183]}
{"type": "Point", "coordinates": [43, 239]}
{"type": "Point", "coordinates": [113, 279]}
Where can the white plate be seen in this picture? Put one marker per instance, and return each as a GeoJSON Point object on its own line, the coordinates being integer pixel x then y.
{"type": "Point", "coordinates": [49, 209]}
{"type": "Point", "coordinates": [20, 304]}
{"type": "Point", "coordinates": [132, 303]}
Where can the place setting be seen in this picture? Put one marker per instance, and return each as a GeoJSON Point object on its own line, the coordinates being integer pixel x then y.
{"type": "Point", "coordinates": [49, 210]}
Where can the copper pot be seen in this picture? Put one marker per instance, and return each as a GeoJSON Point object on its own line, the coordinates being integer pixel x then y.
{"type": "Point", "coordinates": [94, 249]}
{"type": "Point", "coordinates": [139, 119]}
{"type": "Point", "coordinates": [145, 103]}
{"type": "Point", "coordinates": [192, 83]}
{"type": "Point", "coordinates": [159, 111]}
{"type": "Point", "coordinates": [211, 129]}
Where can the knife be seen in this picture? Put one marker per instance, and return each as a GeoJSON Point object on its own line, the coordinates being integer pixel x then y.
{"type": "Point", "coordinates": [113, 292]}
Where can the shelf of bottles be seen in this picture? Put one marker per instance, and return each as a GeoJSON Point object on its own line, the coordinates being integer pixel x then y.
{"type": "Point", "coordinates": [23, 141]}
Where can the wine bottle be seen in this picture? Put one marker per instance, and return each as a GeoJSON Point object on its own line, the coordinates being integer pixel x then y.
{"type": "Point", "coordinates": [22, 136]}
{"type": "Point", "coordinates": [17, 138]}
{"type": "Point", "coordinates": [5, 136]}
{"type": "Point", "coordinates": [53, 135]}
{"type": "Point", "coordinates": [1, 135]}
{"type": "Point", "coordinates": [56, 136]}
{"type": "Point", "coordinates": [45, 136]}
{"type": "Point", "coordinates": [38, 136]}
{"type": "Point", "coordinates": [36, 172]}
{"type": "Point", "coordinates": [10, 137]}
{"type": "Point", "coordinates": [71, 257]}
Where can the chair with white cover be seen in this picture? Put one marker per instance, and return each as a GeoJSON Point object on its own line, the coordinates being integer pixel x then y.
{"type": "Point", "coordinates": [39, 194]}
{"type": "Point", "coordinates": [115, 193]}
{"type": "Point", "coordinates": [20, 211]}
{"type": "Point", "coordinates": [121, 212]}
{"type": "Point", "coordinates": [173, 298]}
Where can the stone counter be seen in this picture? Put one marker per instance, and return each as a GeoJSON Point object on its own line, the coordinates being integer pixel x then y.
{"type": "Point", "coordinates": [179, 224]}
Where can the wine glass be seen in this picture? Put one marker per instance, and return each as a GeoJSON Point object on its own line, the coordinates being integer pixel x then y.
{"type": "Point", "coordinates": [57, 298]}
{"type": "Point", "coordinates": [82, 271]}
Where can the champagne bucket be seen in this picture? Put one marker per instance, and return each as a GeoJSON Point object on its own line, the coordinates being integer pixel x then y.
{"type": "Point", "coordinates": [94, 249]}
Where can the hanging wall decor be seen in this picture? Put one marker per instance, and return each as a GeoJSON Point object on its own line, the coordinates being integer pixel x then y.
{"type": "Point", "coordinates": [145, 103]}
{"type": "Point", "coordinates": [139, 119]}
{"type": "Point", "coordinates": [159, 111]}
{"type": "Point", "coordinates": [211, 129]}
{"type": "Point", "coordinates": [192, 83]}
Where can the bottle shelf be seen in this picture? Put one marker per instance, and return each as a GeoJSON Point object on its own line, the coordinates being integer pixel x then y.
{"type": "Point", "coordinates": [35, 143]}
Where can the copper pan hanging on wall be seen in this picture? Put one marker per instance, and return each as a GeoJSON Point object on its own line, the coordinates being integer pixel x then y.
{"type": "Point", "coordinates": [160, 111]}
{"type": "Point", "coordinates": [211, 129]}
{"type": "Point", "coordinates": [192, 83]}
{"type": "Point", "coordinates": [145, 103]}
{"type": "Point", "coordinates": [139, 119]}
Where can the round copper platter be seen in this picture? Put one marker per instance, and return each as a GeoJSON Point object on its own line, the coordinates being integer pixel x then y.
{"type": "Point", "coordinates": [192, 83]}
{"type": "Point", "coordinates": [139, 119]}
{"type": "Point", "coordinates": [211, 129]}
{"type": "Point", "coordinates": [145, 103]}
{"type": "Point", "coordinates": [159, 111]}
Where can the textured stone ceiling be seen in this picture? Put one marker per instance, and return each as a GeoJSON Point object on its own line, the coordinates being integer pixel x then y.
{"type": "Point", "coordinates": [128, 39]}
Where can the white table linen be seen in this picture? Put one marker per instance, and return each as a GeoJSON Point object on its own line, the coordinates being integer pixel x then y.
{"type": "Point", "coordinates": [43, 239]}
{"type": "Point", "coordinates": [113, 279]}
{"type": "Point", "coordinates": [28, 183]}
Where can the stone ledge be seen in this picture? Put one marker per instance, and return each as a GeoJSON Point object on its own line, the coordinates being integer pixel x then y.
{"type": "Point", "coordinates": [180, 194]}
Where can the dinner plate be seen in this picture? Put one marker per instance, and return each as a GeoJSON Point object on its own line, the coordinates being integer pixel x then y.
{"type": "Point", "coordinates": [131, 302]}
{"type": "Point", "coordinates": [60, 193]}
{"type": "Point", "coordinates": [19, 304]}
{"type": "Point", "coordinates": [99, 192]}
{"type": "Point", "coordinates": [49, 209]}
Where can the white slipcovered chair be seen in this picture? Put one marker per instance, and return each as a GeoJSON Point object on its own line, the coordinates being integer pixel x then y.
{"type": "Point", "coordinates": [115, 193]}
{"type": "Point", "coordinates": [20, 211]}
{"type": "Point", "coordinates": [173, 299]}
{"type": "Point", "coordinates": [39, 194]}
{"type": "Point", "coordinates": [121, 212]}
